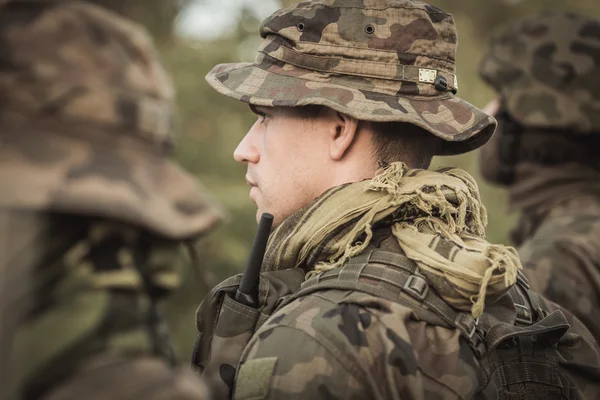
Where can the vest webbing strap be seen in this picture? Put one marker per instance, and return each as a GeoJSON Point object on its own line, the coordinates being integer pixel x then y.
{"type": "Point", "coordinates": [507, 376]}
{"type": "Point", "coordinates": [550, 330]}
{"type": "Point", "coordinates": [370, 273]}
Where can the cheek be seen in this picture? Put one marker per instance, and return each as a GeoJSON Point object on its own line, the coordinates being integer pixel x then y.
{"type": "Point", "coordinates": [290, 160]}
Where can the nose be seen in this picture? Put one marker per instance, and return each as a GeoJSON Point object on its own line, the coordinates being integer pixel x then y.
{"type": "Point", "coordinates": [246, 151]}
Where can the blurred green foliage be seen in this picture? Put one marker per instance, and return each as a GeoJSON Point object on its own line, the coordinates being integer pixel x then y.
{"type": "Point", "coordinates": [212, 125]}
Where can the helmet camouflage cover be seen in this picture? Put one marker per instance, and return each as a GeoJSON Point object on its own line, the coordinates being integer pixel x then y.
{"type": "Point", "coordinates": [547, 71]}
{"type": "Point", "coordinates": [384, 61]}
{"type": "Point", "coordinates": [86, 114]}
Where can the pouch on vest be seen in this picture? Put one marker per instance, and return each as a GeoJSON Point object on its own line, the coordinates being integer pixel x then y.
{"type": "Point", "coordinates": [225, 325]}
{"type": "Point", "coordinates": [521, 361]}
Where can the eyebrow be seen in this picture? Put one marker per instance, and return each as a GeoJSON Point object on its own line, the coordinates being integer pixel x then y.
{"type": "Point", "coordinates": [253, 108]}
{"type": "Point", "coordinates": [258, 110]}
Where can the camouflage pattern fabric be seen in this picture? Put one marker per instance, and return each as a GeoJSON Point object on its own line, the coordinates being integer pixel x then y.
{"type": "Point", "coordinates": [357, 346]}
{"type": "Point", "coordinates": [130, 378]}
{"type": "Point", "coordinates": [93, 297]}
{"type": "Point", "coordinates": [19, 232]}
{"type": "Point", "coordinates": [547, 71]}
{"type": "Point", "coordinates": [388, 60]}
{"type": "Point", "coordinates": [86, 119]}
{"type": "Point", "coordinates": [97, 210]}
{"type": "Point", "coordinates": [559, 236]}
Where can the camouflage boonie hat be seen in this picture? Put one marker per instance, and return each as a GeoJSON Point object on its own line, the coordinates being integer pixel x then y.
{"type": "Point", "coordinates": [86, 114]}
{"type": "Point", "coordinates": [384, 61]}
{"type": "Point", "coordinates": [547, 71]}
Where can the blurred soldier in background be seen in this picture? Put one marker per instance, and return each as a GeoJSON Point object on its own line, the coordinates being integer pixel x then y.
{"type": "Point", "coordinates": [92, 212]}
{"type": "Point", "coordinates": [546, 71]}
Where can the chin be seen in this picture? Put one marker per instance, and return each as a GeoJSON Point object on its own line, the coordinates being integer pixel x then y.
{"type": "Point", "coordinates": [258, 215]}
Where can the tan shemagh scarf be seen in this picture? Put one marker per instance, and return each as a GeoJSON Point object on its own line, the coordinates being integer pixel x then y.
{"type": "Point", "coordinates": [436, 216]}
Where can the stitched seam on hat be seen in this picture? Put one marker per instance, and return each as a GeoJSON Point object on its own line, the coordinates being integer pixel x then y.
{"type": "Point", "coordinates": [416, 98]}
{"type": "Point", "coordinates": [358, 48]}
{"type": "Point", "coordinates": [369, 8]}
{"type": "Point", "coordinates": [375, 50]}
{"type": "Point", "coordinates": [352, 60]}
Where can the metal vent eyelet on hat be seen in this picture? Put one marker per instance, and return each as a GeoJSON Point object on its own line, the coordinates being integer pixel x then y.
{"type": "Point", "coordinates": [440, 83]}
{"type": "Point", "coordinates": [301, 26]}
{"type": "Point", "coordinates": [370, 29]}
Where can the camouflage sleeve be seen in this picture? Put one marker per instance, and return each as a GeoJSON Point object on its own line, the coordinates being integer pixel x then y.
{"type": "Point", "coordinates": [364, 347]}
{"type": "Point", "coordinates": [567, 275]}
{"type": "Point", "coordinates": [119, 378]}
{"type": "Point", "coordinates": [286, 363]}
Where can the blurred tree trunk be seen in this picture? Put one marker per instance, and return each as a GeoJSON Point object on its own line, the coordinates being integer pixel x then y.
{"type": "Point", "coordinates": [158, 16]}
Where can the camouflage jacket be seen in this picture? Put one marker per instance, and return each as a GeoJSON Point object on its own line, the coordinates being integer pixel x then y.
{"type": "Point", "coordinates": [561, 257]}
{"type": "Point", "coordinates": [352, 345]}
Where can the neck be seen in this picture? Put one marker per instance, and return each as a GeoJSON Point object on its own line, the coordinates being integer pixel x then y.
{"type": "Point", "coordinates": [351, 173]}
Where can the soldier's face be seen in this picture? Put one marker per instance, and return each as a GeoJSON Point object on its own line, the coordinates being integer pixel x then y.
{"type": "Point", "coordinates": [287, 158]}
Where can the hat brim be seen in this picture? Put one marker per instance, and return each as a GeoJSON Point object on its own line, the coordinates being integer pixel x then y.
{"type": "Point", "coordinates": [462, 126]}
{"type": "Point", "coordinates": [110, 176]}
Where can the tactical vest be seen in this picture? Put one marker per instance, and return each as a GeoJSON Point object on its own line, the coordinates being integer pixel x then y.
{"type": "Point", "coordinates": [518, 361]}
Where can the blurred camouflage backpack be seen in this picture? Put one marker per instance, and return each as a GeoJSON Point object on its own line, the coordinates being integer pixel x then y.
{"type": "Point", "coordinates": [517, 361]}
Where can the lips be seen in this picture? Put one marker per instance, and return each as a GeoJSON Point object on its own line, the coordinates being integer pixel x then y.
{"type": "Point", "coordinates": [250, 183]}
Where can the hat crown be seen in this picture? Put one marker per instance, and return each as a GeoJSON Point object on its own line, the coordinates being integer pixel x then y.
{"type": "Point", "coordinates": [547, 70]}
{"type": "Point", "coordinates": [398, 40]}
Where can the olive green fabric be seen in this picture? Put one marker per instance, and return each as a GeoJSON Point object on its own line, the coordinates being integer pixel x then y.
{"type": "Point", "coordinates": [254, 379]}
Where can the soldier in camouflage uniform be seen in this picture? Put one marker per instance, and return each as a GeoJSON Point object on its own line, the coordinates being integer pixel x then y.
{"type": "Point", "coordinates": [92, 213]}
{"type": "Point", "coordinates": [546, 70]}
{"type": "Point", "coordinates": [353, 100]}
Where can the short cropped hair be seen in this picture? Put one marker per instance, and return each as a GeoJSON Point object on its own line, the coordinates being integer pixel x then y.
{"type": "Point", "coordinates": [392, 141]}
{"type": "Point", "coordinates": [403, 141]}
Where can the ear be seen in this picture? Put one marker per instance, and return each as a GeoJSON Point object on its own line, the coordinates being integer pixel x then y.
{"type": "Point", "coordinates": [343, 133]}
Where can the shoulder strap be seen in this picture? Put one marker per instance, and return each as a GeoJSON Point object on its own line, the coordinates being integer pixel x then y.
{"type": "Point", "coordinates": [391, 276]}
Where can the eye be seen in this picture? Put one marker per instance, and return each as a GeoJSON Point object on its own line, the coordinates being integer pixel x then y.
{"type": "Point", "coordinates": [262, 117]}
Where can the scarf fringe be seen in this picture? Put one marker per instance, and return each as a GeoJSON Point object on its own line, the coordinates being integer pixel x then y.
{"type": "Point", "coordinates": [430, 203]}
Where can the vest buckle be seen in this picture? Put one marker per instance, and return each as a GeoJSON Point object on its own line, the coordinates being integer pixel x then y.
{"type": "Point", "coordinates": [417, 287]}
